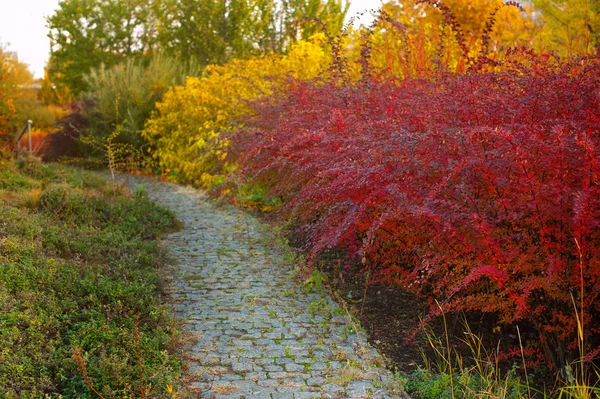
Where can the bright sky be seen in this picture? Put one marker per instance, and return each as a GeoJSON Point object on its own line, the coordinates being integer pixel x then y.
{"type": "Point", "coordinates": [23, 28]}
{"type": "Point", "coordinates": [357, 6]}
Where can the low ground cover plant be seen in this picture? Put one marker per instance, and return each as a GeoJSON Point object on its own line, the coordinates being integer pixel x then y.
{"type": "Point", "coordinates": [79, 287]}
{"type": "Point", "coordinates": [478, 191]}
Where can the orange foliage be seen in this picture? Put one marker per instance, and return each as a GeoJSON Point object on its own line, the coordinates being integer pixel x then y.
{"type": "Point", "coordinates": [39, 141]}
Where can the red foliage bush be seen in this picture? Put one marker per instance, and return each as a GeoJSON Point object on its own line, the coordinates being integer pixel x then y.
{"type": "Point", "coordinates": [39, 141]}
{"type": "Point", "coordinates": [480, 191]}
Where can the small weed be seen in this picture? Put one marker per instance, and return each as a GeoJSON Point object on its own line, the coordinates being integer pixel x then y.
{"type": "Point", "coordinates": [449, 376]}
{"type": "Point", "coordinates": [251, 300]}
{"type": "Point", "coordinates": [141, 191]}
{"type": "Point", "coordinates": [224, 389]}
{"type": "Point", "coordinates": [315, 281]}
{"type": "Point", "coordinates": [317, 306]}
{"type": "Point", "coordinates": [347, 374]}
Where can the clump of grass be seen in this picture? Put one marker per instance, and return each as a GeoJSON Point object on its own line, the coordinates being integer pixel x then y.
{"type": "Point", "coordinates": [79, 285]}
{"type": "Point", "coordinates": [449, 375]}
{"type": "Point", "coordinates": [578, 375]}
{"type": "Point", "coordinates": [347, 374]}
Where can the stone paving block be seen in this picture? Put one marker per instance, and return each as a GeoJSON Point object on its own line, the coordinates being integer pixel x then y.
{"type": "Point", "coordinates": [319, 373]}
{"type": "Point", "coordinates": [278, 374]}
{"type": "Point", "coordinates": [308, 395]}
{"type": "Point", "coordinates": [273, 367]}
{"type": "Point", "coordinates": [257, 367]}
{"type": "Point", "coordinates": [362, 386]}
{"type": "Point", "coordinates": [316, 381]}
{"type": "Point", "coordinates": [230, 377]}
{"type": "Point", "coordinates": [265, 361]}
{"type": "Point", "coordinates": [275, 350]}
{"type": "Point", "coordinates": [283, 395]}
{"type": "Point", "coordinates": [289, 389]}
{"type": "Point", "coordinates": [291, 367]}
{"type": "Point", "coordinates": [331, 388]}
{"type": "Point", "coordinates": [318, 366]}
{"type": "Point", "coordinates": [241, 367]}
{"type": "Point", "coordinates": [268, 383]}
{"type": "Point", "coordinates": [297, 351]}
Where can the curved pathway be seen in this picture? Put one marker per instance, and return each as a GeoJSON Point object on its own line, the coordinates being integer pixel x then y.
{"type": "Point", "coordinates": [258, 333]}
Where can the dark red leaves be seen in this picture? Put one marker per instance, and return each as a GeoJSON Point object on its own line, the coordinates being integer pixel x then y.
{"type": "Point", "coordinates": [471, 190]}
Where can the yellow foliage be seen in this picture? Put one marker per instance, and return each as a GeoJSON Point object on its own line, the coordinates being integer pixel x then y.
{"type": "Point", "coordinates": [570, 28]}
{"type": "Point", "coordinates": [187, 130]}
{"type": "Point", "coordinates": [420, 41]}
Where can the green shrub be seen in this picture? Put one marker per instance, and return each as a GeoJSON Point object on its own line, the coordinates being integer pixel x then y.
{"type": "Point", "coordinates": [124, 96]}
{"type": "Point", "coordinates": [62, 201]}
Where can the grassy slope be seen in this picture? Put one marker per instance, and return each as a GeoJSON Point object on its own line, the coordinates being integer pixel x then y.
{"type": "Point", "coordinates": [78, 265]}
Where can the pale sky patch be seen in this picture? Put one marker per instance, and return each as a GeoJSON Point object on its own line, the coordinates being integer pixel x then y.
{"type": "Point", "coordinates": [23, 30]}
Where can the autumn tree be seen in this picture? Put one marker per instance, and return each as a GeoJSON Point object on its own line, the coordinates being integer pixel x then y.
{"type": "Point", "coordinates": [210, 31]}
{"type": "Point", "coordinates": [19, 99]}
{"type": "Point", "coordinates": [412, 37]}
{"type": "Point", "coordinates": [570, 27]}
{"type": "Point", "coordinates": [20, 94]}
{"type": "Point", "coordinates": [330, 13]}
{"type": "Point", "coordinates": [52, 92]}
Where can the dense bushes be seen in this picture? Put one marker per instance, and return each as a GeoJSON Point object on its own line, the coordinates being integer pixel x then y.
{"type": "Point", "coordinates": [79, 287]}
{"type": "Point", "coordinates": [115, 108]}
{"type": "Point", "coordinates": [126, 94]}
{"type": "Point", "coordinates": [478, 191]}
{"type": "Point", "coordinates": [187, 131]}
{"type": "Point", "coordinates": [184, 132]}
{"type": "Point", "coordinates": [64, 143]}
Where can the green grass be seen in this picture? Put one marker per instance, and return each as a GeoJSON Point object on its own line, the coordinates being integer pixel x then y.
{"type": "Point", "coordinates": [452, 375]}
{"type": "Point", "coordinates": [426, 384]}
{"type": "Point", "coordinates": [79, 264]}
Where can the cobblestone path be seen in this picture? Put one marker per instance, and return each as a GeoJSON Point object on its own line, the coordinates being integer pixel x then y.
{"type": "Point", "coordinates": [260, 334]}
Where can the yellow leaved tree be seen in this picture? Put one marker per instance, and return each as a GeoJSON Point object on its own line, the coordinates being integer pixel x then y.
{"type": "Point", "coordinates": [187, 130]}
{"type": "Point", "coordinates": [413, 38]}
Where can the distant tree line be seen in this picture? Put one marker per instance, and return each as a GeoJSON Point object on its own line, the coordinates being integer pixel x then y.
{"type": "Point", "coordinates": [88, 33]}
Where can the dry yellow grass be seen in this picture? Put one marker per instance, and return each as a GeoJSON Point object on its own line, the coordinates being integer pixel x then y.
{"type": "Point", "coordinates": [224, 389]}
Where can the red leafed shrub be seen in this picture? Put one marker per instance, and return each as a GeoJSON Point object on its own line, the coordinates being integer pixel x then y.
{"type": "Point", "coordinates": [480, 191]}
